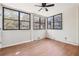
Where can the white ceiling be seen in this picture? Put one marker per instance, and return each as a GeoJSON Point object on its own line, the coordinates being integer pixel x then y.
{"type": "Point", "coordinates": [30, 7]}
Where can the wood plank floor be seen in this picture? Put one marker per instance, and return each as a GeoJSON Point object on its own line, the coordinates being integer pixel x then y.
{"type": "Point", "coordinates": [44, 47]}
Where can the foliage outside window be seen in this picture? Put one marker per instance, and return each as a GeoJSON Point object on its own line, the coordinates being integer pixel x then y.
{"type": "Point", "coordinates": [55, 22]}
{"type": "Point", "coordinates": [38, 22]}
{"type": "Point", "coordinates": [15, 20]}
{"type": "Point", "coordinates": [24, 21]}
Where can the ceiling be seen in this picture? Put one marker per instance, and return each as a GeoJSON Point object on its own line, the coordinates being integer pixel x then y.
{"type": "Point", "coordinates": [30, 7]}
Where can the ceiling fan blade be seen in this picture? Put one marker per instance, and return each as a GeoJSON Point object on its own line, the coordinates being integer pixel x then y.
{"type": "Point", "coordinates": [46, 9]}
{"type": "Point", "coordinates": [38, 5]}
{"type": "Point", "coordinates": [40, 9]}
{"type": "Point", "coordinates": [50, 5]}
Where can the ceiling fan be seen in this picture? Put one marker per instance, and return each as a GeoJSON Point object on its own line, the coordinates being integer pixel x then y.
{"type": "Point", "coordinates": [45, 5]}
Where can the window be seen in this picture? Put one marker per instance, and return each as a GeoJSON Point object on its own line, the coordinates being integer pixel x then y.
{"type": "Point", "coordinates": [50, 22]}
{"type": "Point", "coordinates": [57, 21]}
{"type": "Point", "coordinates": [38, 22]}
{"type": "Point", "coordinates": [10, 19]}
{"type": "Point", "coordinates": [24, 21]}
{"type": "Point", "coordinates": [15, 20]}
{"type": "Point", "coordinates": [42, 23]}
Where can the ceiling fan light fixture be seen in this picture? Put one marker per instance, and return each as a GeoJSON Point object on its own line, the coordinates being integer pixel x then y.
{"type": "Point", "coordinates": [44, 5]}
{"type": "Point", "coordinates": [43, 9]}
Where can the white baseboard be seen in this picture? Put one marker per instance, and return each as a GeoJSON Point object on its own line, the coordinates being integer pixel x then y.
{"type": "Point", "coordinates": [68, 42]}
{"type": "Point", "coordinates": [37, 39]}
{"type": "Point", "coordinates": [16, 44]}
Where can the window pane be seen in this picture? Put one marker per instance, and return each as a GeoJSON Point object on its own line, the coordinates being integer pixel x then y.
{"type": "Point", "coordinates": [10, 24]}
{"type": "Point", "coordinates": [50, 19]}
{"type": "Point", "coordinates": [39, 22]}
{"type": "Point", "coordinates": [36, 26]}
{"type": "Point", "coordinates": [24, 21]}
{"type": "Point", "coordinates": [57, 27]}
{"type": "Point", "coordinates": [50, 22]}
{"type": "Point", "coordinates": [58, 21]}
{"type": "Point", "coordinates": [42, 23]}
{"type": "Point", "coordinates": [42, 26]}
{"type": "Point", "coordinates": [36, 18]}
{"type": "Point", "coordinates": [24, 25]}
{"type": "Point", "coordinates": [36, 22]}
{"type": "Point", "coordinates": [10, 14]}
{"type": "Point", "coordinates": [57, 17]}
{"type": "Point", "coordinates": [24, 16]}
{"type": "Point", "coordinates": [51, 25]}
{"type": "Point", "coordinates": [10, 19]}
{"type": "Point", "coordinates": [42, 20]}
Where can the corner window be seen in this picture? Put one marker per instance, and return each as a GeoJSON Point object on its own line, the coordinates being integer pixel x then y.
{"type": "Point", "coordinates": [38, 22]}
{"type": "Point", "coordinates": [50, 23]}
{"type": "Point", "coordinates": [55, 22]}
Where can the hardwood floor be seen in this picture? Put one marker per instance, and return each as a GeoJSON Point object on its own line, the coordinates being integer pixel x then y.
{"type": "Point", "coordinates": [44, 47]}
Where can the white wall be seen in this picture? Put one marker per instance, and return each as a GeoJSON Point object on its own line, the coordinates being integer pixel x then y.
{"type": "Point", "coordinates": [70, 28]}
{"type": "Point", "coordinates": [36, 34]}
{"type": "Point", "coordinates": [69, 33]}
{"type": "Point", "coordinates": [13, 37]}
{"type": "Point", "coordinates": [0, 25]}
{"type": "Point", "coordinates": [78, 25]}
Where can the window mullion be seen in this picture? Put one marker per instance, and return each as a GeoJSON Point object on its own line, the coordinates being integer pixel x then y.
{"type": "Point", "coordinates": [19, 20]}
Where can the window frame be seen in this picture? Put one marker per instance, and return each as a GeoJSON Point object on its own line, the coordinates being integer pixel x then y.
{"type": "Point", "coordinates": [3, 8]}
{"type": "Point", "coordinates": [39, 22]}
{"type": "Point", "coordinates": [50, 22]}
{"type": "Point", "coordinates": [42, 23]}
{"type": "Point", "coordinates": [34, 22]}
{"type": "Point", "coordinates": [54, 22]}
{"type": "Point", "coordinates": [57, 22]}
{"type": "Point", "coordinates": [26, 21]}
